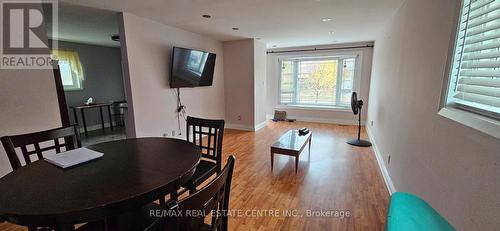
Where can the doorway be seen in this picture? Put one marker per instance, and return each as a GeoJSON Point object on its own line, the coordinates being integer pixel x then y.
{"type": "Point", "coordinates": [90, 72]}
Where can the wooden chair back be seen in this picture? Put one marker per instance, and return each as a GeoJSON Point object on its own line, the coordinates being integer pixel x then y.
{"type": "Point", "coordinates": [67, 137]}
{"type": "Point", "coordinates": [213, 200]}
{"type": "Point", "coordinates": [198, 128]}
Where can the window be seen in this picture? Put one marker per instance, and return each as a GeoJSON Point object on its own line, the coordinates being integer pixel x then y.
{"type": "Point", "coordinates": [197, 61]}
{"type": "Point", "coordinates": [474, 83]}
{"type": "Point", "coordinates": [70, 68]}
{"type": "Point", "coordinates": [317, 81]}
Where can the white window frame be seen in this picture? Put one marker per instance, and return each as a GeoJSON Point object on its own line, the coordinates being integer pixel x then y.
{"type": "Point", "coordinates": [317, 55]}
{"type": "Point", "coordinates": [470, 117]}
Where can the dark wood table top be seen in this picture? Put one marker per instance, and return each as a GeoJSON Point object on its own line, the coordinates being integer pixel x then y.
{"type": "Point", "coordinates": [292, 141]}
{"type": "Point", "coordinates": [92, 105]}
{"type": "Point", "coordinates": [131, 173]}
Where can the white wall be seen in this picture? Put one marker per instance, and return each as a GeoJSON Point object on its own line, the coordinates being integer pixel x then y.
{"type": "Point", "coordinates": [239, 83]}
{"type": "Point", "coordinates": [319, 115]}
{"type": "Point", "coordinates": [451, 166]}
{"type": "Point", "coordinates": [260, 91]}
{"type": "Point", "coordinates": [148, 48]}
{"type": "Point", "coordinates": [28, 103]}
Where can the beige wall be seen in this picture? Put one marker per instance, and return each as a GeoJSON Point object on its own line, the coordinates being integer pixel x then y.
{"type": "Point", "coordinates": [148, 48]}
{"type": "Point", "coordinates": [245, 84]}
{"type": "Point", "coordinates": [260, 62]}
{"type": "Point", "coordinates": [320, 115]}
{"type": "Point", "coordinates": [28, 103]}
{"type": "Point", "coordinates": [451, 166]}
{"type": "Point", "coordinates": [239, 83]}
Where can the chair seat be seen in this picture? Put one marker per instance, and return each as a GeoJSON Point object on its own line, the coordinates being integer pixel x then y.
{"type": "Point", "coordinates": [195, 223]}
{"type": "Point", "coordinates": [129, 221]}
{"type": "Point", "coordinates": [140, 220]}
{"type": "Point", "coordinates": [203, 171]}
{"type": "Point", "coordinates": [94, 226]}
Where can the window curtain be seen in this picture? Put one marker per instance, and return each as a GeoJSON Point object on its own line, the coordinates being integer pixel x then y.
{"type": "Point", "coordinates": [72, 58]}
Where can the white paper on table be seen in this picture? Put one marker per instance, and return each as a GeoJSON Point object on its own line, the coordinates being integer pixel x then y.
{"type": "Point", "coordinates": [72, 157]}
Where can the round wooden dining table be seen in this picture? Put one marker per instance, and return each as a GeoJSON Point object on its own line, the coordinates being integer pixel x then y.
{"type": "Point", "coordinates": [131, 173]}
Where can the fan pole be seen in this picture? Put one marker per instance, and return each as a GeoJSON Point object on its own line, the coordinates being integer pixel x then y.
{"type": "Point", "coordinates": [359, 142]}
{"type": "Point", "coordinates": [359, 125]}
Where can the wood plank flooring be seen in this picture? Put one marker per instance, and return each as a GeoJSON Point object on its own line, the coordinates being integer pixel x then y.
{"type": "Point", "coordinates": [336, 178]}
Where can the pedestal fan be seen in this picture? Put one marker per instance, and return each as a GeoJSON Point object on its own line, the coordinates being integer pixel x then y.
{"type": "Point", "coordinates": [356, 106]}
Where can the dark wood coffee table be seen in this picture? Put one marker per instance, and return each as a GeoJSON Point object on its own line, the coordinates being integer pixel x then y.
{"type": "Point", "coordinates": [291, 144]}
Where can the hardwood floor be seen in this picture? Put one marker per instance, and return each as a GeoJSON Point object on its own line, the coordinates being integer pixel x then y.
{"type": "Point", "coordinates": [336, 177]}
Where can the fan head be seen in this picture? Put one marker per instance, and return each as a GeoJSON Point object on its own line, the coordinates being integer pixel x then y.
{"type": "Point", "coordinates": [355, 103]}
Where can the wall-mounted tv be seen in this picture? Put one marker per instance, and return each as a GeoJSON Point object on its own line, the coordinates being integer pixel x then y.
{"type": "Point", "coordinates": [191, 68]}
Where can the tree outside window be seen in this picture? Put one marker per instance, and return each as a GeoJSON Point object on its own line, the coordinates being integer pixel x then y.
{"type": "Point", "coordinates": [317, 81]}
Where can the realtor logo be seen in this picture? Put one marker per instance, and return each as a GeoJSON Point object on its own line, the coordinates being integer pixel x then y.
{"type": "Point", "coordinates": [24, 41]}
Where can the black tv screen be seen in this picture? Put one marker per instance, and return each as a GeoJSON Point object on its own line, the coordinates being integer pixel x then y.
{"type": "Point", "coordinates": [191, 68]}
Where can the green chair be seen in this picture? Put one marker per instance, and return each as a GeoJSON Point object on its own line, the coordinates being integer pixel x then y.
{"type": "Point", "coordinates": [407, 212]}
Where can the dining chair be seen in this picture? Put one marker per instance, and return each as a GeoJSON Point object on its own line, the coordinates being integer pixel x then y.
{"type": "Point", "coordinates": [37, 143]}
{"type": "Point", "coordinates": [34, 144]}
{"type": "Point", "coordinates": [207, 135]}
{"type": "Point", "coordinates": [212, 201]}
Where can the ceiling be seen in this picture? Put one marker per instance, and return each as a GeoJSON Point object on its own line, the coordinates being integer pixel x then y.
{"type": "Point", "coordinates": [279, 23]}
{"type": "Point", "coordinates": [85, 25]}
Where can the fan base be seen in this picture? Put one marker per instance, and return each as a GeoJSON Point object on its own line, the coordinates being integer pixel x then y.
{"type": "Point", "coordinates": [360, 143]}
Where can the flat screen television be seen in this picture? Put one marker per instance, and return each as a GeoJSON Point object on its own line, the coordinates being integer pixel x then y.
{"type": "Point", "coordinates": [191, 68]}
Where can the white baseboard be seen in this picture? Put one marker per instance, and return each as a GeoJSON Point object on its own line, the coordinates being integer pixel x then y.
{"type": "Point", "coordinates": [323, 120]}
{"type": "Point", "coordinates": [246, 127]}
{"type": "Point", "coordinates": [240, 127]}
{"type": "Point", "coordinates": [260, 126]}
{"type": "Point", "coordinates": [95, 127]}
{"type": "Point", "coordinates": [381, 163]}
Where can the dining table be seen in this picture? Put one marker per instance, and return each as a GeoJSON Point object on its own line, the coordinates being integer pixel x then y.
{"type": "Point", "coordinates": [131, 173]}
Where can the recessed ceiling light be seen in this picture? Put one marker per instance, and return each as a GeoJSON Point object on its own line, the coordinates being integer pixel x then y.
{"type": "Point", "coordinates": [326, 19]}
{"type": "Point", "coordinates": [206, 16]}
{"type": "Point", "coordinates": [235, 28]}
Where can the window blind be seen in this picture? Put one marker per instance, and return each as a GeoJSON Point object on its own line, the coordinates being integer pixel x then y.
{"type": "Point", "coordinates": [475, 81]}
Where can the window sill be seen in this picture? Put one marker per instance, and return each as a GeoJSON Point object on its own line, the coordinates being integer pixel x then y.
{"type": "Point", "coordinates": [315, 108]}
{"type": "Point", "coordinates": [472, 120]}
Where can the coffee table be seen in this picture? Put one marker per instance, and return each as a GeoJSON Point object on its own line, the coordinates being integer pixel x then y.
{"type": "Point", "coordinates": [291, 144]}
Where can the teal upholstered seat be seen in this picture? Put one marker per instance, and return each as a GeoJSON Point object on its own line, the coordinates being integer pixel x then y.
{"type": "Point", "coordinates": [407, 212]}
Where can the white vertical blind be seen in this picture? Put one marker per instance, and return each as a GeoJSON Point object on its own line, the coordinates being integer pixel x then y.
{"type": "Point", "coordinates": [475, 80]}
